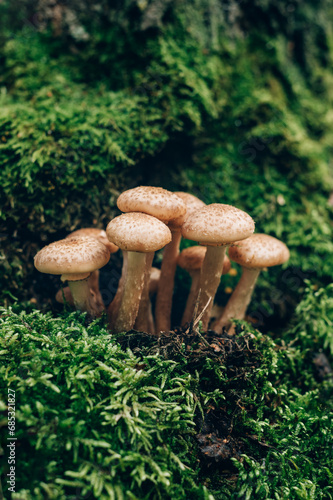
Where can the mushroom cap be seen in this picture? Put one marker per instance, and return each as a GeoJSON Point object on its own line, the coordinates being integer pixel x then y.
{"type": "Point", "coordinates": [192, 205]}
{"type": "Point", "coordinates": [192, 258]}
{"type": "Point", "coordinates": [155, 201]}
{"type": "Point", "coordinates": [75, 255]}
{"type": "Point", "coordinates": [138, 232]}
{"type": "Point", "coordinates": [94, 232]}
{"type": "Point", "coordinates": [218, 224]}
{"type": "Point", "coordinates": [259, 251]}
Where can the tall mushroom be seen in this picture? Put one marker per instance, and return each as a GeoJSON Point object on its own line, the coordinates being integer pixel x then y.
{"type": "Point", "coordinates": [215, 226]}
{"type": "Point", "coordinates": [191, 259]}
{"type": "Point", "coordinates": [169, 264]}
{"type": "Point", "coordinates": [75, 258]}
{"type": "Point", "coordinates": [253, 254]}
{"type": "Point", "coordinates": [163, 205]}
{"type": "Point", "coordinates": [138, 234]}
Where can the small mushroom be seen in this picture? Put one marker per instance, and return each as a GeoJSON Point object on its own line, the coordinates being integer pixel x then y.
{"type": "Point", "coordinates": [215, 226]}
{"type": "Point", "coordinates": [253, 254]}
{"type": "Point", "coordinates": [93, 280]}
{"type": "Point", "coordinates": [94, 232]}
{"type": "Point", "coordinates": [138, 234]}
{"type": "Point", "coordinates": [75, 259]}
{"type": "Point", "coordinates": [191, 259]}
{"type": "Point", "coordinates": [164, 205]}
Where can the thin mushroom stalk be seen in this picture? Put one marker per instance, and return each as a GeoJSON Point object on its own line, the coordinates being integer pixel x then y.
{"type": "Point", "coordinates": [166, 284]}
{"type": "Point", "coordinates": [191, 260]}
{"type": "Point", "coordinates": [80, 292]}
{"type": "Point", "coordinates": [132, 293]}
{"type": "Point", "coordinates": [83, 295]}
{"type": "Point", "coordinates": [189, 308]}
{"type": "Point", "coordinates": [115, 304]}
{"type": "Point", "coordinates": [239, 300]}
{"type": "Point", "coordinates": [210, 277]}
{"type": "Point", "coordinates": [144, 321]}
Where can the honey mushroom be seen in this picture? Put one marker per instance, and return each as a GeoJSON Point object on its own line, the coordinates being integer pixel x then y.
{"type": "Point", "coordinates": [137, 234]}
{"type": "Point", "coordinates": [253, 254]}
{"type": "Point", "coordinates": [75, 259]}
{"type": "Point", "coordinates": [216, 226]}
{"type": "Point", "coordinates": [93, 280]}
{"type": "Point", "coordinates": [191, 259]}
{"type": "Point", "coordinates": [165, 206]}
{"type": "Point", "coordinates": [169, 263]}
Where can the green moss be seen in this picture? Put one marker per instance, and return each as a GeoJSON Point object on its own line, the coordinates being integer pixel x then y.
{"type": "Point", "coordinates": [122, 417]}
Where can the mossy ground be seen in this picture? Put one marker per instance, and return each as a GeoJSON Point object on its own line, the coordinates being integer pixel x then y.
{"type": "Point", "coordinates": [230, 101]}
{"type": "Point", "coordinates": [182, 416]}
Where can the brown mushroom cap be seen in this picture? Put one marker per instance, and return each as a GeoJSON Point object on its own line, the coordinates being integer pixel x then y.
{"type": "Point", "coordinates": [218, 224]}
{"type": "Point", "coordinates": [192, 202]}
{"type": "Point", "coordinates": [191, 258]}
{"type": "Point", "coordinates": [156, 201]}
{"type": "Point", "coordinates": [259, 251]}
{"type": "Point", "coordinates": [72, 256]}
{"type": "Point", "coordinates": [94, 232]}
{"type": "Point", "coordinates": [138, 232]}
{"type": "Point", "coordinates": [192, 205]}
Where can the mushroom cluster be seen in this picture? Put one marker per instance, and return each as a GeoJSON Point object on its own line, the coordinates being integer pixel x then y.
{"type": "Point", "coordinates": [154, 218]}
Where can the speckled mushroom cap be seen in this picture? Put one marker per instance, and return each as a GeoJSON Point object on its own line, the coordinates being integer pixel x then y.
{"type": "Point", "coordinates": [72, 256]}
{"type": "Point", "coordinates": [258, 251]}
{"type": "Point", "coordinates": [192, 205]}
{"type": "Point", "coordinates": [218, 224]}
{"type": "Point", "coordinates": [138, 232]}
{"type": "Point", "coordinates": [94, 232]}
{"type": "Point", "coordinates": [155, 201]}
{"type": "Point", "coordinates": [192, 259]}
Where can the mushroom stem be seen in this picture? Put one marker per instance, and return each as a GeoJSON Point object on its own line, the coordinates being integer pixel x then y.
{"type": "Point", "coordinates": [81, 295]}
{"type": "Point", "coordinates": [144, 321]}
{"type": "Point", "coordinates": [115, 304]}
{"type": "Point", "coordinates": [189, 308]}
{"type": "Point", "coordinates": [166, 284]}
{"type": "Point", "coordinates": [93, 282]}
{"type": "Point", "coordinates": [131, 296]}
{"type": "Point", "coordinates": [210, 277]}
{"type": "Point", "coordinates": [239, 300]}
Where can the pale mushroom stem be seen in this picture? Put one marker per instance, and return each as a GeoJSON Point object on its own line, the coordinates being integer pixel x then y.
{"type": "Point", "coordinates": [192, 296]}
{"type": "Point", "coordinates": [115, 304]}
{"type": "Point", "coordinates": [239, 300]}
{"type": "Point", "coordinates": [210, 277]}
{"type": "Point", "coordinates": [81, 295]}
{"type": "Point", "coordinates": [133, 287]}
{"type": "Point", "coordinates": [166, 284]}
{"type": "Point", "coordinates": [144, 321]}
